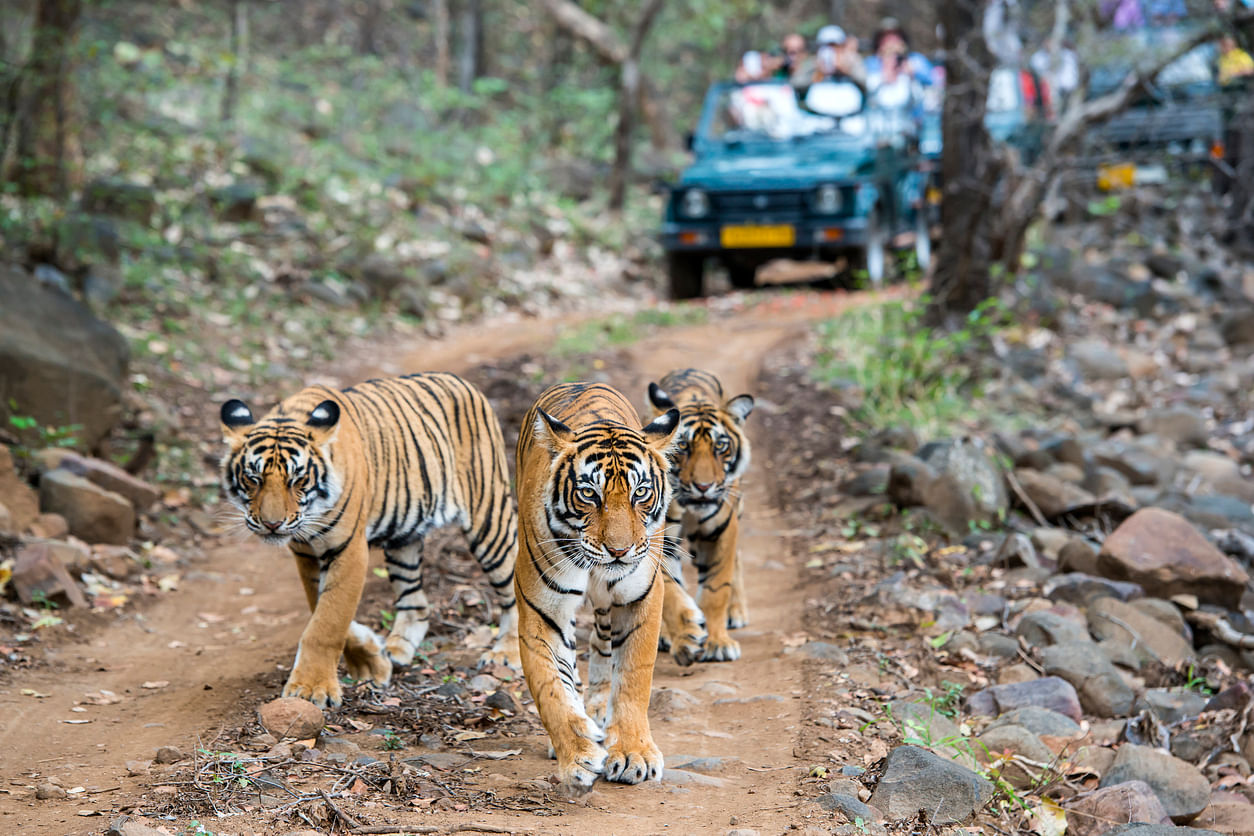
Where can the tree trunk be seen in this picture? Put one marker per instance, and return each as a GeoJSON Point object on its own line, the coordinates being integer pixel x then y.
{"type": "Point", "coordinates": [1240, 138]}
{"type": "Point", "coordinates": [441, 34]}
{"type": "Point", "coordinates": [471, 38]}
{"type": "Point", "coordinates": [48, 157]}
{"type": "Point", "coordinates": [969, 168]}
{"type": "Point", "coordinates": [628, 105]}
{"type": "Point", "coordinates": [239, 53]}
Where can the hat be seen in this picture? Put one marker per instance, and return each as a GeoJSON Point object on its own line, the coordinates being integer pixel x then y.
{"type": "Point", "coordinates": [887, 25]}
{"type": "Point", "coordinates": [830, 35]}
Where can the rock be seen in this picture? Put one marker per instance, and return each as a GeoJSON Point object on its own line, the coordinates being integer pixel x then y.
{"type": "Point", "coordinates": [1096, 360]}
{"type": "Point", "coordinates": [1011, 675]}
{"type": "Point", "coordinates": [915, 782]}
{"type": "Point", "coordinates": [1235, 818]}
{"type": "Point", "coordinates": [998, 645]}
{"type": "Point", "coordinates": [21, 502]}
{"type": "Point", "coordinates": [1158, 830]}
{"type": "Point", "coordinates": [826, 652]}
{"type": "Point", "coordinates": [849, 806]}
{"type": "Point", "coordinates": [923, 725]}
{"type": "Point", "coordinates": [1051, 494]}
{"type": "Point", "coordinates": [453, 689]}
{"type": "Point", "coordinates": [47, 791]}
{"type": "Point", "coordinates": [483, 683]}
{"type": "Point", "coordinates": [49, 526]}
{"type": "Point", "coordinates": [85, 242]}
{"type": "Point", "coordinates": [1152, 640]}
{"type": "Point", "coordinates": [1079, 555]}
{"type": "Point", "coordinates": [39, 576]}
{"type": "Point", "coordinates": [501, 700]}
{"type": "Point", "coordinates": [6, 520]}
{"type": "Point", "coordinates": [1166, 555]}
{"type": "Point", "coordinates": [105, 474]}
{"type": "Point", "coordinates": [707, 765]}
{"type": "Point", "coordinates": [1050, 541]}
{"type": "Point", "coordinates": [681, 778]}
{"type": "Point", "coordinates": [1137, 464]}
{"type": "Point", "coordinates": [1093, 813]}
{"type": "Point", "coordinates": [1181, 424]}
{"type": "Point", "coordinates": [169, 754]}
{"type": "Point", "coordinates": [969, 462]}
{"type": "Point", "coordinates": [1107, 483]}
{"type": "Point", "coordinates": [1050, 692]}
{"type": "Point", "coordinates": [134, 768]}
{"type": "Point", "coordinates": [291, 717]}
{"type": "Point", "coordinates": [1181, 787]}
{"type": "Point", "coordinates": [1044, 628]}
{"type": "Point", "coordinates": [870, 482]}
{"type": "Point", "coordinates": [1165, 612]}
{"type": "Point", "coordinates": [1081, 589]}
{"type": "Point", "coordinates": [671, 703]}
{"type": "Point", "coordinates": [1101, 689]}
{"type": "Point", "coordinates": [120, 199]}
{"type": "Point", "coordinates": [1039, 721]}
{"type": "Point", "coordinates": [381, 275]}
{"type": "Point", "coordinates": [94, 514]}
{"type": "Point", "coordinates": [130, 826]}
{"type": "Point", "coordinates": [1237, 327]}
{"type": "Point", "coordinates": [102, 284]}
{"type": "Point", "coordinates": [1008, 737]}
{"type": "Point", "coordinates": [907, 479]}
{"type": "Point", "coordinates": [236, 202]}
{"type": "Point", "coordinates": [58, 362]}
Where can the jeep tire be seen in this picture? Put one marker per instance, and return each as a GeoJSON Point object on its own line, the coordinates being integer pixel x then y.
{"type": "Point", "coordinates": [686, 272]}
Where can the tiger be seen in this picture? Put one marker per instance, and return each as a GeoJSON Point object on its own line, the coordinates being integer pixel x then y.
{"type": "Point", "coordinates": [711, 455]}
{"type": "Point", "coordinates": [332, 473]}
{"type": "Point", "coordinates": [592, 500]}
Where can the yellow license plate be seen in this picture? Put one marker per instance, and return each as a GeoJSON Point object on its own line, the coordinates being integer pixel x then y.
{"type": "Point", "coordinates": [1113, 176]}
{"type": "Point", "coordinates": [779, 235]}
{"type": "Point", "coordinates": [933, 196]}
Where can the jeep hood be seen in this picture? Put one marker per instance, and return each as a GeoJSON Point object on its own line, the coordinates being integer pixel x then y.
{"type": "Point", "coordinates": [752, 168]}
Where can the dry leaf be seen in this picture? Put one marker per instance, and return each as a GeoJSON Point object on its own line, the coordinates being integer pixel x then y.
{"type": "Point", "coordinates": [1049, 819]}
{"type": "Point", "coordinates": [497, 754]}
{"type": "Point", "coordinates": [359, 787]}
{"type": "Point", "coordinates": [470, 735]}
{"type": "Point", "coordinates": [360, 725]}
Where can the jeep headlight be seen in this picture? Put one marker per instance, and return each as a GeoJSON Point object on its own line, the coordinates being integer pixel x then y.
{"type": "Point", "coordinates": [827, 199]}
{"type": "Point", "coordinates": [694, 204]}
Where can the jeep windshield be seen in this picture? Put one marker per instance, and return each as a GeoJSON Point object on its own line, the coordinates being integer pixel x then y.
{"type": "Point", "coordinates": [1140, 48]}
{"type": "Point", "coordinates": [772, 113]}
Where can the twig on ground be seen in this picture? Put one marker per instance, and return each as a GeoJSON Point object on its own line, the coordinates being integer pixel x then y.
{"type": "Point", "coordinates": [340, 814]}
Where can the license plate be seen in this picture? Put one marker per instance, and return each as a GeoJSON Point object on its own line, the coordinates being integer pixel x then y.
{"type": "Point", "coordinates": [933, 196]}
{"type": "Point", "coordinates": [778, 235]}
{"type": "Point", "coordinates": [1114, 176]}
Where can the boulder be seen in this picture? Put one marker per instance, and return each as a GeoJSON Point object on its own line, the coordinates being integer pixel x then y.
{"type": "Point", "coordinates": [1180, 424]}
{"type": "Point", "coordinates": [975, 473]}
{"type": "Point", "coordinates": [1049, 493]}
{"type": "Point", "coordinates": [1180, 786]}
{"type": "Point", "coordinates": [1093, 813]}
{"type": "Point", "coordinates": [1081, 590]}
{"type": "Point", "coordinates": [1039, 721]}
{"type": "Point", "coordinates": [18, 497]}
{"type": "Point", "coordinates": [39, 575]}
{"type": "Point", "coordinates": [1044, 628]}
{"type": "Point", "coordinates": [58, 362]}
{"type": "Point", "coordinates": [291, 717]}
{"type": "Point", "coordinates": [917, 782]}
{"type": "Point", "coordinates": [93, 513]}
{"type": "Point", "coordinates": [1101, 689]}
{"type": "Point", "coordinates": [1166, 555]}
{"type": "Point", "coordinates": [105, 474]}
{"type": "Point", "coordinates": [1050, 692]}
{"type": "Point", "coordinates": [1150, 640]}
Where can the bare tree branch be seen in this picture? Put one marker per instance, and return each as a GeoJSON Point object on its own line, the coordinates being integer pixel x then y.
{"type": "Point", "coordinates": [599, 36]}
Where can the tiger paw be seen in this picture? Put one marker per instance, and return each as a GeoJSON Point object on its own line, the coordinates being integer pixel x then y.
{"type": "Point", "coordinates": [577, 773]}
{"type": "Point", "coordinates": [635, 764]}
{"type": "Point", "coordinates": [322, 691]}
{"type": "Point", "coordinates": [364, 658]}
{"type": "Point", "coordinates": [737, 619]}
{"type": "Point", "coordinates": [688, 650]}
{"type": "Point", "coordinates": [503, 652]}
{"type": "Point", "coordinates": [721, 650]}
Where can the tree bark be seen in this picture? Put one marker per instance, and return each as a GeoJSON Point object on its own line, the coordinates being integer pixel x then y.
{"type": "Point", "coordinates": [441, 34]}
{"type": "Point", "coordinates": [239, 53]}
{"type": "Point", "coordinates": [969, 168]}
{"type": "Point", "coordinates": [48, 158]}
{"type": "Point", "coordinates": [471, 44]}
{"type": "Point", "coordinates": [629, 105]}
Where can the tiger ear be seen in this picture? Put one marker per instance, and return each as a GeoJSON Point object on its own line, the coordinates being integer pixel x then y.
{"type": "Point", "coordinates": [552, 433]}
{"type": "Point", "coordinates": [236, 418]}
{"type": "Point", "coordinates": [324, 420]}
{"type": "Point", "coordinates": [739, 407]}
{"type": "Point", "coordinates": [660, 400]}
{"type": "Point", "coordinates": [661, 432]}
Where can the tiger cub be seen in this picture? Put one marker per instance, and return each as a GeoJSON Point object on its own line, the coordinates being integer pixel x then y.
{"type": "Point", "coordinates": [592, 499]}
{"type": "Point", "coordinates": [711, 454]}
{"type": "Point", "coordinates": [331, 473]}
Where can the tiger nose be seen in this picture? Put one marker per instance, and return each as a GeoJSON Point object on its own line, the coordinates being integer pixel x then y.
{"type": "Point", "coordinates": [273, 526]}
{"type": "Point", "coordinates": [703, 487]}
{"type": "Point", "coordinates": [616, 553]}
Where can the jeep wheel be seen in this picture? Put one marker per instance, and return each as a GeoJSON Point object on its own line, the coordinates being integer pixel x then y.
{"type": "Point", "coordinates": [686, 272]}
{"type": "Point", "coordinates": [742, 276]}
{"type": "Point", "coordinates": [875, 257]}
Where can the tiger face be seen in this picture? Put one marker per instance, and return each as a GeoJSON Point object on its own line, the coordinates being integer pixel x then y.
{"type": "Point", "coordinates": [278, 472]}
{"type": "Point", "coordinates": [711, 450]}
{"type": "Point", "coordinates": [607, 492]}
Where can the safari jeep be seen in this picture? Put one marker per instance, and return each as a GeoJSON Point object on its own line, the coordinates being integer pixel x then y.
{"type": "Point", "coordinates": [821, 178]}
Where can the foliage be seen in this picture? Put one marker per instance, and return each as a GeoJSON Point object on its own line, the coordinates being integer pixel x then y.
{"type": "Point", "coordinates": [902, 370]}
{"type": "Point", "coordinates": [618, 330]}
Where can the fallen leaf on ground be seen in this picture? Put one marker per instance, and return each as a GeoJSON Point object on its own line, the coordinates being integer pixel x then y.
{"type": "Point", "coordinates": [470, 735]}
{"type": "Point", "coordinates": [497, 754]}
{"type": "Point", "coordinates": [359, 787]}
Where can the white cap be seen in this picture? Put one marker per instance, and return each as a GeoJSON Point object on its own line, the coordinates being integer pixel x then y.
{"type": "Point", "coordinates": [752, 61]}
{"type": "Point", "coordinates": [830, 35]}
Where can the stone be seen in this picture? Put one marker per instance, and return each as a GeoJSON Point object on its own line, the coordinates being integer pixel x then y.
{"type": "Point", "coordinates": [105, 474]}
{"type": "Point", "coordinates": [1136, 463]}
{"type": "Point", "coordinates": [681, 778]}
{"type": "Point", "coordinates": [47, 791]}
{"type": "Point", "coordinates": [708, 764]}
{"type": "Point", "coordinates": [1049, 541]}
{"type": "Point", "coordinates": [998, 645]}
{"type": "Point", "coordinates": [671, 703]}
{"type": "Point", "coordinates": [1079, 555]}
{"type": "Point", "coordinates": [1181, 424]}
{"type": "Point", "coordinates": [58, 362]}
{"type": "Point", "coordinates": [1050, 692]}
{"type": "Point", "coordinates": [49, 526]}
{"type": "Point", "coordinates": [1165, 612]}
{"type": "Point", "coordinates": [1093, 813]}
{"type": "Point", "coordinates": [907, 479]}
{"type": "Point", "coordinates": [120, 199]}
{"type": "Point", "coordinates": [1096, 360]}
{"type": "Point", "coordinates": [923, 725]}
{"type": "Point", "coordinates": [1009, 738]}
{"type": "Point", "coordinates": [38, 575]}
{"type": "Point", "coordinates": [381, 274]}
{"type": "Point", "coordinates": [1234, 818]}
{"type": "Point", "coordinates": [1180, 786]}
{"type": "Point", "coordinates": [236, 202]}
{"type": "Point", "coordinates": [1039, 721]}
{"type": "Point", "coordinates": [916, 781]}
{"type": "Point", "coordinates": [1237, 327]}
{"type": "Point", "coordinates": [453, 689]}
{"type": "Point", "coordinates": [1098, 683]}
{"type": "Point", "coordinates": [1158, 830]}
{"type": "Point", "coordinates": [969, 462]}
{"type": "Point", "coordinates": [1044, 628]}
{"type": "Point", "coordinates": [483, 683]}
{"type": "Point", "coordinates": [1107, 483]}
{"type": "Point", "coordinates": [849, 806]}
{"type": "Point", "coordinates": [501, 700]}
{"type": "Point", "coordinates": [1110, 619]}
{"type": "Point", "coordinates": [1051, 494]}
{"type": "Point", "coordinates": [291, 717]}
{"type": "Point", "coordinates": [94, 514]}
{"type": "Point", "coordinates": [169, 754]}
{"type": "Point", "coordinates": [1082, 590]}
{"type": "Point", "coordinates": [6, 520]}
{"type": "Point", "coordinates": [1166, 555]}
{"type": "Point", "coordinates": [1012, 675]}
{"type": "Point", "coordinates": [826, 652]}
{"type": "Point", "coordinates": [18, 497]}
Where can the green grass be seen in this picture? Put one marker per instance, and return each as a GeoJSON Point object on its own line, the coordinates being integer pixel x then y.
{"type": "Point", "coordinates": [618, 330]}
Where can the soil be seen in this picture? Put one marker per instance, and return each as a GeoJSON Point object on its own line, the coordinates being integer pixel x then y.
{"type": "Point", "coordinates": [190, 668]}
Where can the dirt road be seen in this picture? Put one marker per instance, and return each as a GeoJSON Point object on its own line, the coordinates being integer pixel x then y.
{"type": "Point", "coordinates": [199, 660]}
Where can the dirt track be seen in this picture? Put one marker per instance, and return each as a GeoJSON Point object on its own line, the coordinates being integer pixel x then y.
{"type": "Point", "coordinates": [222, 639]}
